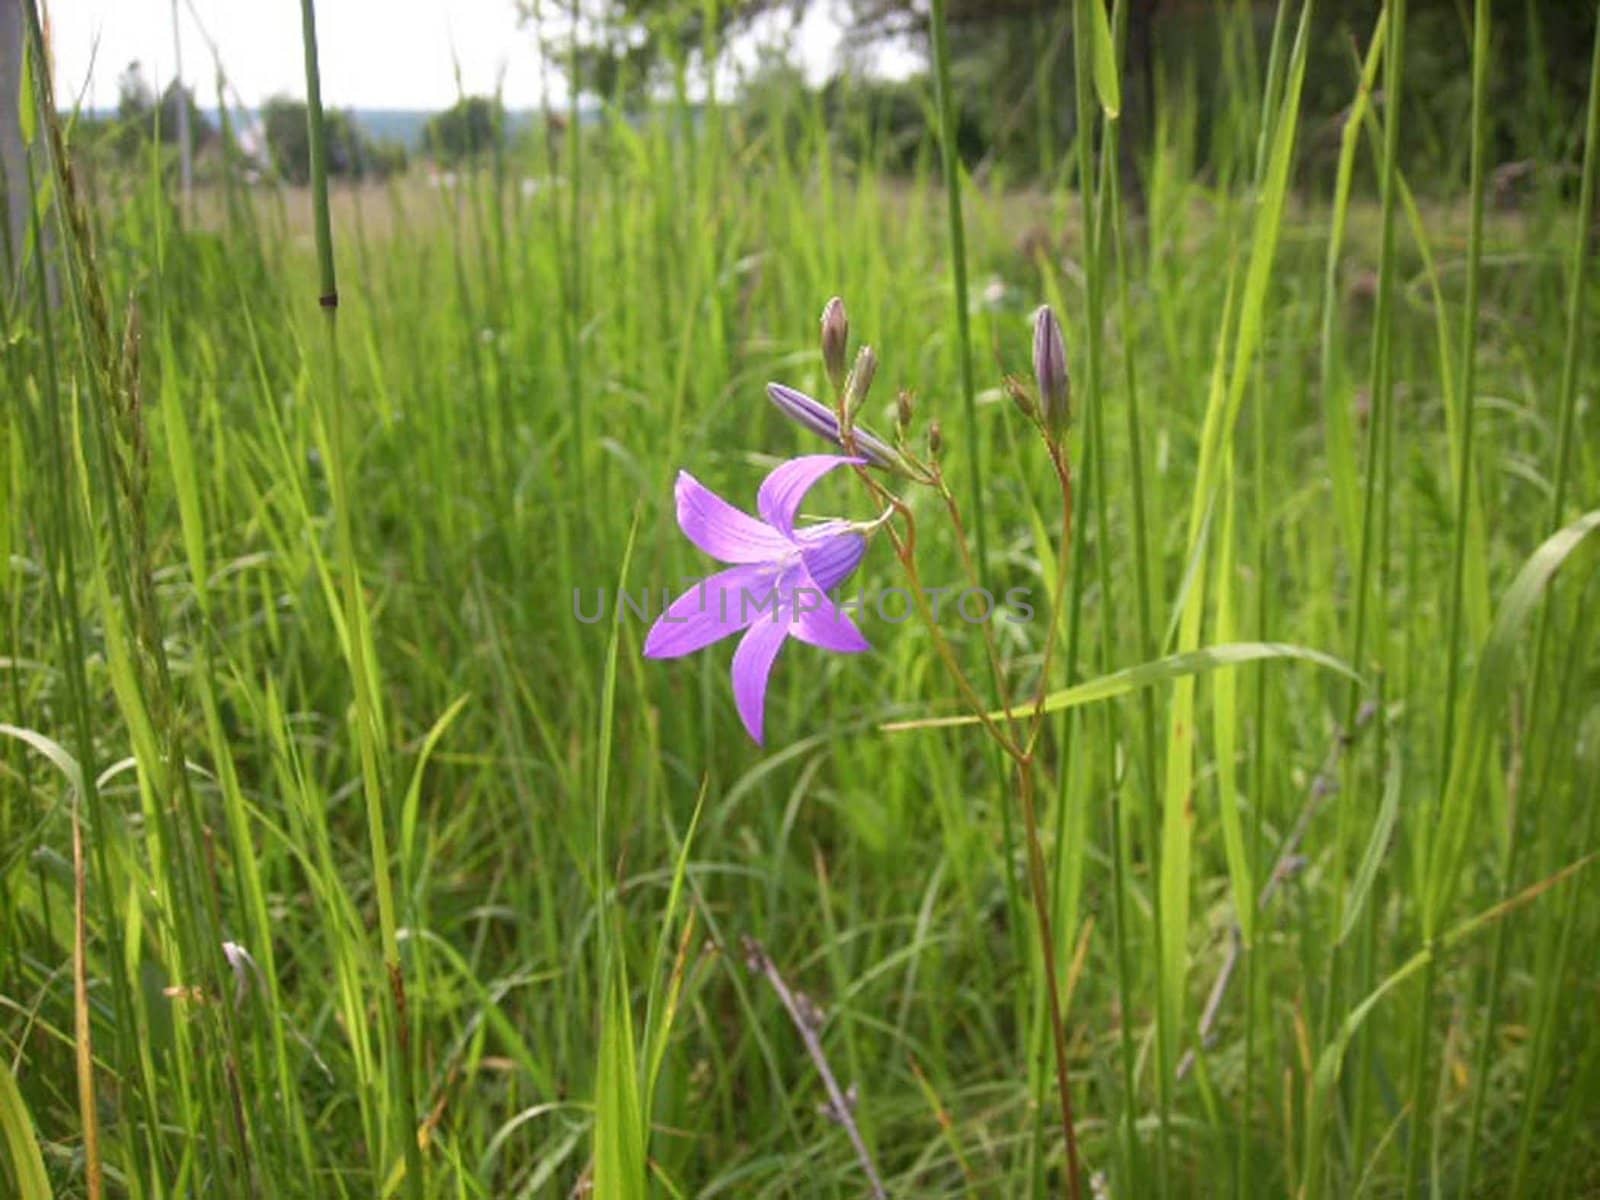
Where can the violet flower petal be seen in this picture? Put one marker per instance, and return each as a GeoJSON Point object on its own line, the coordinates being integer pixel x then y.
{"type": "Point", "coordinates": [831, 552]}
{"type": "Point", "coordinates": [830, 628]}
{"type": "Point", "coordinates": [752, 668]}
{"type": "Point", "coordinates": [818, 621]}
{"type": "Point", "coordinates": [811, 614]}
{"type": "Point", "coordinates": [711, 610]}
{"type": "Point", "coordinates": [720, 529]}
{"type": "Point", "coordinates": [782, 491]}
{"type": "Point", "coordinates": [777, 589]}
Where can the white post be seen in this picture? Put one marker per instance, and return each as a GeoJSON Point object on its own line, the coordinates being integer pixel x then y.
{"type": "Point", "coordinates": [13, 154]}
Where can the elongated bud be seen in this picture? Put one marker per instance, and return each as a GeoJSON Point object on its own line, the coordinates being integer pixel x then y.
{"type": "Point", "coordinates": [1050, 369]}
{"type": "Point", "coordinates": [902, 412]}
{"type": "Point", "coordinates": [860, 382]}
{"type": "Point", "coordinates": [824, 422]}
{"type": "Point", "coordinates": [935, 439]}
{"type": "Point", "coordinates": [835, 334]}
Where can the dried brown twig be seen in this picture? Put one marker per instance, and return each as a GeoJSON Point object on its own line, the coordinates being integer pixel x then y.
{"type": "Point", "coordinates": [808, 1020]}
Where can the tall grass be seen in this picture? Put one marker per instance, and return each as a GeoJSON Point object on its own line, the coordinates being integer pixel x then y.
{"type": "Point", "coordinates": [393, 873]}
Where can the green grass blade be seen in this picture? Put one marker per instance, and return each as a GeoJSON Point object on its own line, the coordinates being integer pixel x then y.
{"type": "Point", "coordinates": [1225, 721]}
{"type": "Point", "coordinates": [1482, 707]}
{"type": "Point", "coordinates": [1131, 679]}
{"type": "Point", "coordinates": [1377, 846]}
{"type": "Point", "coordinates": [1106, 83]}
{"type": "Point", "coordinates": [22, 1145]}
{"type": "Point", "coordinates": [658, 1018]}
{"type": "Point", "coordinates": [619, 1131]}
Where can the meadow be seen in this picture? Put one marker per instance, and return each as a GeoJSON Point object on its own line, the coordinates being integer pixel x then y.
{"type": "Point", "coordinates": [341, 855]}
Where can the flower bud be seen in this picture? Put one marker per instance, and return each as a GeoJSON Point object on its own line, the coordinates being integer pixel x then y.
{"type": "Point", "coordinates": [902, 412]}
{"type": "Point", "coordinates": [1050, 369]}
{"type": "Point", "coordinates": [835, 333]}
{"type": "Point", "coordinates": [860, 380]}
{"type": "Point", "coordinates": [824, 422]}
{"type": "Point", "coordinates": [935, 439]}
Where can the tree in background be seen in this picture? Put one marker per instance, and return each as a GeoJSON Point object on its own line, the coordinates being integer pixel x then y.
{"type": "Point", "coordinates": [351, 153]}
{"type": "Point", "coordinates": [143, 116]}
{"type": "Point", "coordinates": [465, 130]}
{"type": "Point", "coordinates": [625, 49]}
{"type": "Point", "coordinates": [1012, 66]}
{"type": "Point", "coordinates": [135, 97]}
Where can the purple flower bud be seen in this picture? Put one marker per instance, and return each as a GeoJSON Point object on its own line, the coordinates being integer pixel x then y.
{"type": "Point", "coordinates": [1050, 369]}
{"type": "Point", "coordinates": [835, 333]}
{"type": "Point", "coordinates": [824, 422]}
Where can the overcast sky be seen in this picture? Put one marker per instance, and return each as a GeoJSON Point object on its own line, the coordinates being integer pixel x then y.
{"type": "Point", "coordinates": [374, 53]}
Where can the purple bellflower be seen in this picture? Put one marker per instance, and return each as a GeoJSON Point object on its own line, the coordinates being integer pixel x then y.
{"type": "Point", "coordinates": [776, 586]}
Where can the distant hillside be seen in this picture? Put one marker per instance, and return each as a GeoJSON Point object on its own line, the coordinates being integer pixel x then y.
{"type": "Point", "coordinates": [403, 125]}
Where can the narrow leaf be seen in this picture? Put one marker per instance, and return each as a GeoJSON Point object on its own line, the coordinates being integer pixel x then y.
{"type": "Point", "coordinates": [22, 1144]}
{"type": "Point", "coordinates": [1106, 84]}
{"type": "Point", "coordinates": [1372, 857]}
{"type": "Point", "coordinates": [1131, 679]}
{"type": "Point", "coordinates": [1484, 704]}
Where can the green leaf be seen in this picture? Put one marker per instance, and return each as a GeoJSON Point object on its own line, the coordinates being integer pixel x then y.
{"type": "Point", "coordinates": [1339, 422]}
{"type": "Point", "coordinates": [185, 478]}
{"type": "Point", "coordinates": [22, 1145]}
{"type": "Point", "coordinates": [1131, 679]}
{"type": "Point", "coordinates": [53, 750]}
{"type": "Point", "coordinates": [1106, 83]}
{"type": "Point", "coordinates": [1225, 722]}
{"type": "Point", "coordinates": [1485, 702]}
{"type": "Point", "coordinates": [1222, 414]}
{"type": "Point", "coordinates": [619, 1126]}
{"type": "Point", "coordinates": [659, 1026]}
{"type": "Point", "coordinates": [1372, 857]}
{"type": "Point", "coordinates": [619, 1152]}
{"type": "Point", "coordinates": [413, 799]}
{"type": "Point", "coordinates": [1331, 1061]}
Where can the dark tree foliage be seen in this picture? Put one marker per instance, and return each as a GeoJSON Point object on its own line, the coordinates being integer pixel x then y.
{"type": "Point", "coordinates": [1537, 83]}
{"type": "Point", "coordinates": [625, 48]}
{"type": "Point", "coordinates": [143, 116]}
{"type": "Point", "coordinates": [351, 153]}
{"type": "Point", "coordinates": [1012, 62]}
{"type": "Point", "coordinates": [1174, 47]}
{"type": "Point", "coordinates": [465, 130]}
